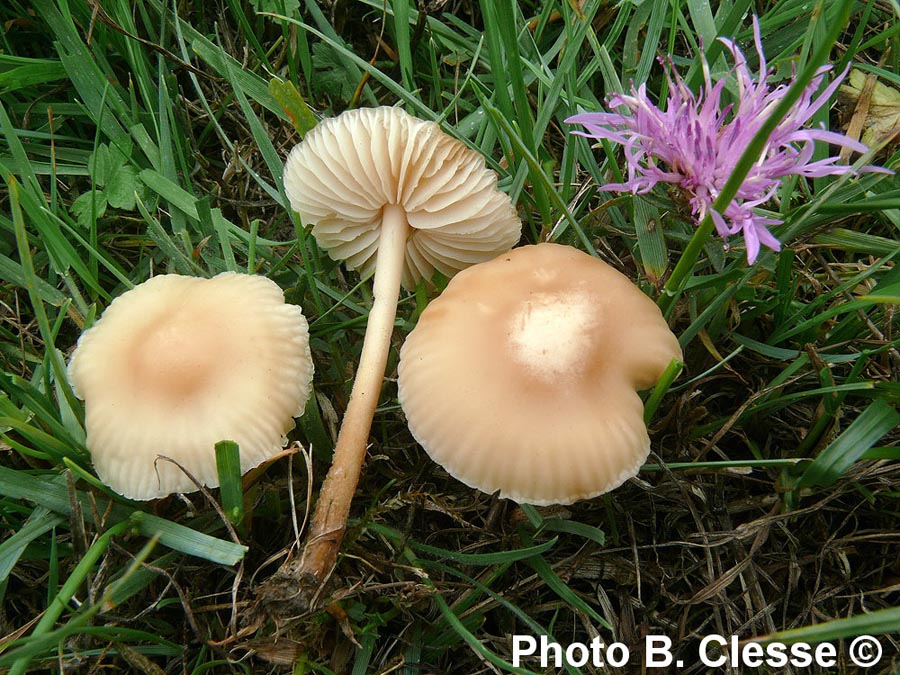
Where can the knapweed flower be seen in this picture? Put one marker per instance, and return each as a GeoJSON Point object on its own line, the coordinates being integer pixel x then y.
{"type": "Point", "coordinates": [695, 143]}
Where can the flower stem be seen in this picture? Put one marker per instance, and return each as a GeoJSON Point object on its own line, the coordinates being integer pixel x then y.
{"type": "Point", "coordinates": [685, 266]}
{"type": "Point", "coordinates": [330, 518]}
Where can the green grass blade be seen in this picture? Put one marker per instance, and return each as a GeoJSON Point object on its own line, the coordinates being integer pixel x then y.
{"type": "Point", "coordinates": [538, 173]}
{"type": "Point", "coordinates": [192, 542]}
{"type": "Point", "coordinates": [481, 559]}
{"type": "Point", "coordinates": [589, 532]}
{"type": "Point", "coordinates": [651, 241]}
{"type": "Point", "coordinates": [404, 51]}
{"type": "Point", "coordinates": [48, 335]}
{"type": "Point", "coordinates": [228, 466]}
{"type": "Point", "coordinates": [473, 642]}
{"type": "Point", "coordinates": [855, 441]}
{"type": "Point", "coordinates": [72, 584]}
{"type": "Point", "coordinates": [294, 105]}
{"type": "Point", "coordinates": [661, 388]}
{"type": "Point", "coordinates": [44, 491]}
{"type": "Point", "coordinates": [566, 594]}
{"type": "Point", "coordinates": [878, 622]}
{"type": "Point", "coordinates": [39, 522]}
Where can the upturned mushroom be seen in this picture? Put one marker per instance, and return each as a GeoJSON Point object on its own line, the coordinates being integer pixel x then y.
{"type": "Point", "coordinates": [522, 377]}
{"type": "Point", "coordinates": [177, 364]}
{"type": "Point", "coordinates": [391, 194]}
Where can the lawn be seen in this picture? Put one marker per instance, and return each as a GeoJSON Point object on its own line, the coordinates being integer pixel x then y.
{"type": "Point", "coordinates": [142, 138]}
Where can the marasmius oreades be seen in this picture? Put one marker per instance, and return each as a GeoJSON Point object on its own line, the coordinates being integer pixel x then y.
{"type": "Point", "coordinates": [392, 195]}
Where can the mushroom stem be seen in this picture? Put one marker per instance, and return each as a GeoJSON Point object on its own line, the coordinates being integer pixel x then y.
{"type": "Point", "coordinates": [330, 518]}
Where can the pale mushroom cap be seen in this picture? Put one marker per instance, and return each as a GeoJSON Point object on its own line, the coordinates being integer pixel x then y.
{"type": "Point", "coordinates": [522, 376]}
{"type": "Point", "coordinates": [350, 166]}
{"type": "Point", "coordinates": [179, 363]}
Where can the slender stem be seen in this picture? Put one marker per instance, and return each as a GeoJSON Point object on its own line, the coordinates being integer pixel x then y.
{"type": "Point", "coordinates": [330, 517]}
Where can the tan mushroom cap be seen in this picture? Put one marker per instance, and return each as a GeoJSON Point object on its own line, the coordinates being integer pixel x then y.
{"type": "Point", "coordinates": [522, 376]}
{"type": "Point", "coordinates": [349, 167]}
{"type": "Point", "coordinates": [179, 363]}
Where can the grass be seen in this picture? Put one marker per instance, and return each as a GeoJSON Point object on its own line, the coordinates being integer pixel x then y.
{"type": "Point", "coordinates": [136, 141]}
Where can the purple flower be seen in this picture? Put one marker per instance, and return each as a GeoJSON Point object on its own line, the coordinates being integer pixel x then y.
{"type": "Point", "coordinates": [695, 143]}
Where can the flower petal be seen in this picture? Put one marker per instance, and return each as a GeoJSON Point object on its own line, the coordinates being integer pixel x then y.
{"type": "Point", "coordinates": [695, 143]}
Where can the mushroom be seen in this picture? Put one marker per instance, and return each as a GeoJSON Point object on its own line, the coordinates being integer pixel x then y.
{"type": "Point", "coordinates": [177, 364]}
{"type": "Point", "coordinates": [522, 376]}
{"type": "Point", "coordinates": [394, 195]}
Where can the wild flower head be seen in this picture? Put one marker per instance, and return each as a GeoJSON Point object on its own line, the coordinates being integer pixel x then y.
{"type": "Point", "coordinates": [695, 143]}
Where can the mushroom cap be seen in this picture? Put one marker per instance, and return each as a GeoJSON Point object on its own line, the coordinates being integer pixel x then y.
{"type": "Point", "coordinates": [179, 363]}
{"type": "Point", "coordinates": [350, 166]}
{"type": "Point", "coordinates": [522, 376]}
